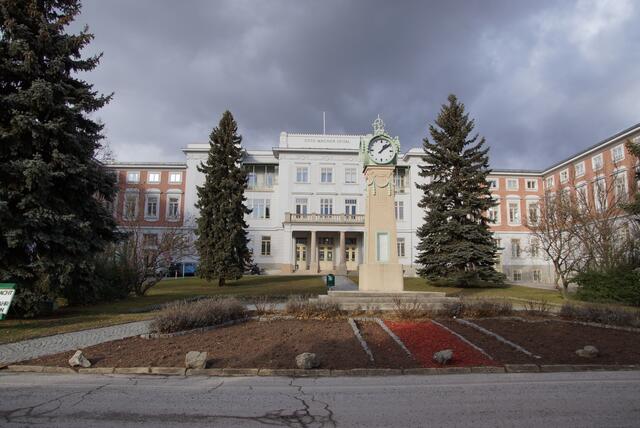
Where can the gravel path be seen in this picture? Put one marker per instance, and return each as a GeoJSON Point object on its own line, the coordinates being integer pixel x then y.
{"type": "Point", "coordinates": [33, 348]}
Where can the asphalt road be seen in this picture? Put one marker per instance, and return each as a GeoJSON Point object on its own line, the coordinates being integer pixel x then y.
{"type": "Point", "coordinates": [595, 399]}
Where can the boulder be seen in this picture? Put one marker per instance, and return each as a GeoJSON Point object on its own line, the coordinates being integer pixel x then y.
{"type": "Point", "coordinates": [443, 357]}
{"type": "Point", "coordinates": [307, 360]}
{"type": "Point", "coordinates": [79, 360]}
{"type": "Point", "coordinates": [588, 352]}
{"type": "Point", "coordinates": [195, 360]}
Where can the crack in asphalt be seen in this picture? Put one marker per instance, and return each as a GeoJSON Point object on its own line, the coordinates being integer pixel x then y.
{"type": "Point", "coordinates": [301, 417]}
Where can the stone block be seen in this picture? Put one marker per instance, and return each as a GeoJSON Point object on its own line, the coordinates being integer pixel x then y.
{"type": "Point", "coordinates": [132, 370]}
{"type": "Point", "coordinates": [307, 360]}
{"type": "Point", "coordinates": [195, 360]}
{"type": "Point", "coordinates": [204, 372]}
{"type": "Point", "coordinates": [96, 370]}
{"type": "Point", "coordinates": [79, 360]}
{"type": "Point", "coordinates": [521, 368]}
{"type": "Point", "coordinates": [19, 368]}
{"type": "Point", "coordinates": [67, 370]}
{"type": "Point", "coordinates": [239, 372]}
{"type": "Point", "coordinates": [171, 371]}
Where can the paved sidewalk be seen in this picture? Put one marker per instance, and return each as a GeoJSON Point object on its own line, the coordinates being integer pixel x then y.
{"type": "Point", "coordinates": [343, 283]}
{"type": "Point", "coordinates": [34, 348]}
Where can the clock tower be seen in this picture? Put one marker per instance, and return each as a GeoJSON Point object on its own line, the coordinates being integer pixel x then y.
{"type": "Point", "coordinates": [381, 271]}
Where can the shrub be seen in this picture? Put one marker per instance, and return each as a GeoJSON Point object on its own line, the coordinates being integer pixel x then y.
{"type": "Point", "coordinates": [263, 305]}
{"type": "Point", "coordinates": [452, 309]}
{"type": "Point", "coordinates": [600, 314]}
{"type": "Point", "coordinates": [181, 315]}
{"type": "Point", "coordinates": [303, 308]}
{"type": "Point", "coordinates": [621, 285]}
{"type": "Point", "coordinates": [488, 308]}
{"type": "Point", "coordinates": [409, 309]}
{"type": "Point", "coordinates": [538, 308]}
{"type": "Point", "coordinates": [30, 303]}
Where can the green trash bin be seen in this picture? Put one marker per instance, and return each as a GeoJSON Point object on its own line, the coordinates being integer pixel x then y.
{"type": "Point", "coordinates": [331, 280]}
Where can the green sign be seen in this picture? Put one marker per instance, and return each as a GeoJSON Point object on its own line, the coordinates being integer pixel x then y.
{"type": "Point", "coordinates": [7, 291]}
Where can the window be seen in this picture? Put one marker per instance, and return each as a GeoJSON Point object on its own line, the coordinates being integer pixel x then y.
{"type": "Point", "coordinates": [399, 209]}
{"type": "Point", "coordinates": [596, 162]}
{"type": "Point", "coordinates": [600, 193]}
{"type": "Point", "coordinates": [514, 212]}
{"type": "Point", "coordinates": [617, 153]}
{"type": "Point", "coordinates": [515, 248]}
{"type": "Point", "coordinates": [326, 206]}
{"type": "Point", "coordinates": [532, 184]}
{"type": "Point", "coordinates": [130, 206]}
{"type": "Point", "coordinates": [493, 183]}
{"type": "Point", "coordinates": [400, 179]}
{"type": "Point", "coordinates": [512, 183]}
{"type": "Point", "coordinates": [400, 247]}
{"type": "Point", "coordinates": [302, 174]}
{"type": "Point", "coordinates": [151, 207]}
{"type": "Point", "coordinates": [261, 177]}
{"type": "Point", "coordinates": [535, 247]}
{"type": "Point", "coordinates": [498, 243]}
{"type": "Point", "coordinates": [533, 212]}
{"type": "Point", "coordinates": [265, 246]}
{"type": "Point", "coordinates": [549, 182]}
{"type": "Point", "coordinates": [260, 208]}
{"type": "Point", "coordinates": [153, 177]}
{"type": "Point", "coordinates": [494, 215]}
{"type": "Point", "coordinates": [350, 206]}
{"type": "Point", "coordinates": [302, 206]}
{"type": "Point", "coordinates": [517, 275]}
{"type": "Point", "coordinates": [149, 240]}
{"type": "Point", "coordinates": [326, 175]}
{"type": "Point", "coordinates": [133, 176]}
{"type": "Point", "coordinates": [173, 207]}
{"type": "Point", "coordinates": [581, 195]}
{"type": "Point", "coordinates": [350, 175]}
{"type": "Point", "coordinates": [175, 177]}
{"type": "Point", "coordinates": [620, 186]}
{"type": "Point", "coordinates": [564, 176]}
{"type": "Point", "coordinates": [536, 275]}
{"type": "Point", "coordinates": [579, 169]}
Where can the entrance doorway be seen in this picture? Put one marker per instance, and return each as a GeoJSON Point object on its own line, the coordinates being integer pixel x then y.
{"type": "Point", "coordinates": [301, 254]}
{"type": "Point", "coordinates": [325, 254]}
{"type": "Point", "coordinates": [351, 254]}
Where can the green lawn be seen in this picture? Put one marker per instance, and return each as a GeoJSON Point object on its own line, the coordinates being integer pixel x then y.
{"type": "Point", "coordinates": [80, 318]}
{"type": "Point", "coordinates": [509, 291]}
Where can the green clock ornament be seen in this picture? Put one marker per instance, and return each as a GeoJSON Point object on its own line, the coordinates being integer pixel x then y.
{"type": "Point", "coordinates": [379, 148]}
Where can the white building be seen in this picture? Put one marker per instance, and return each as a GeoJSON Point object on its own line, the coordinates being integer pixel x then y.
{"type": "Point", "coordinates": [307, 200]}
{"type": "Point", "coordinates": [307, 196]}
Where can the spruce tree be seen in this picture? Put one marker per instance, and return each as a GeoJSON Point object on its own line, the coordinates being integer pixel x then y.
{"type": "Point", "coordinates": [52, 222]}
{"type": "Point", "coordinates": [221, 229]}
{"type": "Point", "coordinates": [456, 244]}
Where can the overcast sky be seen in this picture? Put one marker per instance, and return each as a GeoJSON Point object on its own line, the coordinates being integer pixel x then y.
{"type": "Point", "coordinates": [543, 80]}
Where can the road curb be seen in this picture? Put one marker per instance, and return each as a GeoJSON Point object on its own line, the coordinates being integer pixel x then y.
{"type": "Point", "coordinates": [361, 372]}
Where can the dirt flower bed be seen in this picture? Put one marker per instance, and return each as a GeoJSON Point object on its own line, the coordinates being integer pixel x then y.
{"type": "Point", "coordinates": [270, 344]}
{"type": "Point", "coordinates": [425, 338]}
{"type": "Point", "coordinates": [499, 351]}
{"type": "Point", "coordinates": [556, 341]}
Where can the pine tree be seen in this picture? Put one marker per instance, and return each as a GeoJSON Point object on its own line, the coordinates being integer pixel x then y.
{"type": "Point", "coordinates": [52, 222]}
{"type": "Point", "coordinates": [456, 244]}
{"type": "Point", "coordinates": [222, 231]}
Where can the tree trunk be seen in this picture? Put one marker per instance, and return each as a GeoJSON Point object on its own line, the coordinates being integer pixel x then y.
{"type": "Point", "coordinates": [221, 281]}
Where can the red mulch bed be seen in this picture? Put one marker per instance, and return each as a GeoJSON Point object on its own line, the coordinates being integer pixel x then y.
{"type": "Point", "coordinates": [386, 352]}
{"type": "Point", "coordinates": [425, 338]}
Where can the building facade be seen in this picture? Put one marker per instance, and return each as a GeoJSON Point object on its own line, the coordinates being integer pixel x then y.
{"type": "Point", "coordinates": [307, 201]}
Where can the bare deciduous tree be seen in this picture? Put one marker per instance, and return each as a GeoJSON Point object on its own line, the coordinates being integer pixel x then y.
{"type": "Point", "coordinates": [149, 256]}
{"type": "Point", "coordinates": [583, 225]}
{"type": "Point", "coordinates": [555, 232]}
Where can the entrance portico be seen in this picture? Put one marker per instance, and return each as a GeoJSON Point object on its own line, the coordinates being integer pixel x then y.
{"type": "Point", "coordinates": [322, 251]}
{"type": "Point", "coordinates": [332, 243]}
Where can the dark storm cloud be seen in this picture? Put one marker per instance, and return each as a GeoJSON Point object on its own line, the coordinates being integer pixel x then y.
{"type": "Point", "coordinates": [543, 80]}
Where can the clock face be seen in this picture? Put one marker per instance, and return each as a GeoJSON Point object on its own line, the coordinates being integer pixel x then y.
{"type": "Point", "coordinates": [381, 150]}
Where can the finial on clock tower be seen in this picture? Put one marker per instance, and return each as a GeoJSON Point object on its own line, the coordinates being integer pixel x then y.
{"type": "Point", "coordinates": [378, 126]}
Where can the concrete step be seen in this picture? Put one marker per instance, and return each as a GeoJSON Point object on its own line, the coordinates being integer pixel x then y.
{"type": "Point", "coordinates": [386, 300]}
{"type": "Point", "coordinates": [402, 295]}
